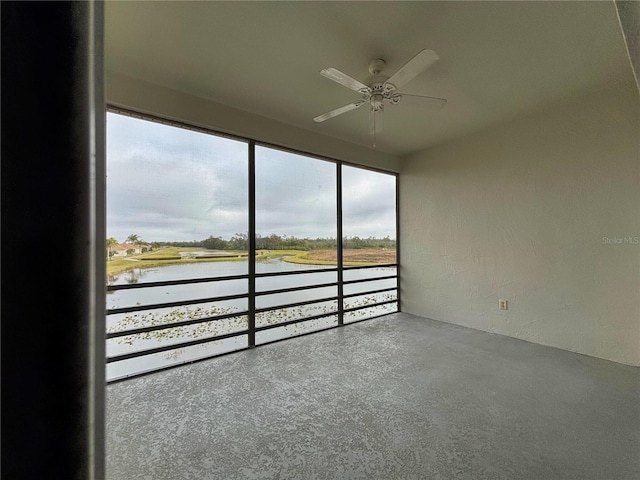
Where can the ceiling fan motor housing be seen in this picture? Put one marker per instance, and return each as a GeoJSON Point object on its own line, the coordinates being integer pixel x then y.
{"type": "Point", "coordinates": [378, 92]}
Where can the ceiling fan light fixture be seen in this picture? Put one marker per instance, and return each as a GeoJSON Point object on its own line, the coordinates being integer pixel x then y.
{"type": "Point", "coordinates": [376, 102]}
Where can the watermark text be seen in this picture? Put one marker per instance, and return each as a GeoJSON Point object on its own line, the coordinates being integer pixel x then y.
{"type": "Point", "coordinates": [621, 240]}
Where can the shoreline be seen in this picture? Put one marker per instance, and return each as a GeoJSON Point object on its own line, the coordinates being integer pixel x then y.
{"type": "Point", "coordinates": [299, 257]}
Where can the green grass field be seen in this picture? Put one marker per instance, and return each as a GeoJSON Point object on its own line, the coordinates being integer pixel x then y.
{"type": "Point", "coordinates": [166, 256]}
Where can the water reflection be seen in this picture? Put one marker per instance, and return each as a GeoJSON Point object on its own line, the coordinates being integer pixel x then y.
{"type": "Point", "coordinates": [130, 276]}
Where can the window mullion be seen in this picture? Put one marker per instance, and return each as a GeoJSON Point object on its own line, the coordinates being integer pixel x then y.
{"type": "Point", "coordinates": [252, 245]}
{"type": "Point", "coordinates": [339, 257]}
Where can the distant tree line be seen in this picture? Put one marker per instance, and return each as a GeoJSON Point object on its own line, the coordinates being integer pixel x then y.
{"type": "Point", "coordinates": [240, 241]}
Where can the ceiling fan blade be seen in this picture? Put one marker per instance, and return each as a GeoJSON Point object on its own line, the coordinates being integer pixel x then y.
{"type": "Point", "coordinates": [421, 101]}
{"type": "Point", "coordinates": [337, 111]}
{"type": "Point", "coordinates": [344, 79]}
{"type": "Point", "coordinates": [413, 67]}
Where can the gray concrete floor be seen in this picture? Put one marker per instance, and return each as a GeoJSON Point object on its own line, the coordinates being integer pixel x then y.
{"type": "Point", "coordinates": [399, 397]}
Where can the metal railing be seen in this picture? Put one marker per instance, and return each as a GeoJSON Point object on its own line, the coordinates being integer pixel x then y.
{"type": "Point", "coordinates": [338, 311]}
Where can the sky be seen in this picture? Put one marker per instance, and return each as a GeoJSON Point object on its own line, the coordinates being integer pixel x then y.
{"type": "Point", "coordinates": [171, 184]}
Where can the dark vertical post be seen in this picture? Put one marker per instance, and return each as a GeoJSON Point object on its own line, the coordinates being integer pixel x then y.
{"type": "Point", "coordinates": [252, 244]}
{"type": "Point", "coordinates": [339, 246]}
{"type": "Point", "coordinates": [398, 283]}
{"type": "Point", "coordinates": [52, 240]}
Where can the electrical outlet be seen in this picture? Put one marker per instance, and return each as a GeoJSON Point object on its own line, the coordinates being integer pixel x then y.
{"type": "Point", "coordinates": [503, 304]}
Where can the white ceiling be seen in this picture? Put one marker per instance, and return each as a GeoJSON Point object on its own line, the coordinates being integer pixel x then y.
{"type": "Point", "coordinates": [498, 60]}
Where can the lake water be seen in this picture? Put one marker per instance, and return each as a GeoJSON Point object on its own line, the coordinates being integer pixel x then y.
{"type": "Point", "coordinates": [179, 293]}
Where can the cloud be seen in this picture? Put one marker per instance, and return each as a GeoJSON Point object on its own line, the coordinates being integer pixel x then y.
{"type": "Point", "coordinates": [295, 195]}
{"type": "Point", "coordinates": [171, 184]}
{"type": "Point", "coordinates": [368, 203]}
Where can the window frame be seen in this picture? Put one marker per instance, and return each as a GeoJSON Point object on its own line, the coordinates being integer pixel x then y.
{"type": "Point", "coordinates": [251, 275]}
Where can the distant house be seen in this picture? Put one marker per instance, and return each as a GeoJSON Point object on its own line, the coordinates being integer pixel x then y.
{"type": "Point", "coordinates": [122, 249]}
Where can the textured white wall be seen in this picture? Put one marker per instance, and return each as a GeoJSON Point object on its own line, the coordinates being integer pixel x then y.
{"type": "Point", "coordinates": [134, 94]}
{"type": "Point", "coordinates": [519, 212]}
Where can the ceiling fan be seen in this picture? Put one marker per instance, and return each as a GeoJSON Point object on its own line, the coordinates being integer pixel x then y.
{"type": "Point", "coordinates": [383, 89]}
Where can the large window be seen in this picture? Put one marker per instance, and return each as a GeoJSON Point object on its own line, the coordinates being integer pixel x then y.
{"type": "Point", "coordinates": [296, 227]}
{"type": "Point", "coordinates": [218, 244]}
{"type": "Point", "coordinates": [177, 212]}
{"type": "Point", "coordinates": [369, 231]}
